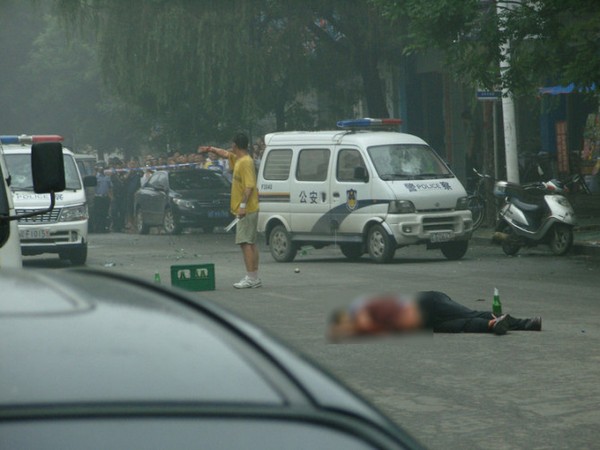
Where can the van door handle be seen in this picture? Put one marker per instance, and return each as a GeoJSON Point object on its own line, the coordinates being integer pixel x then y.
{"type": "Point", "coordinates": [336, 195]}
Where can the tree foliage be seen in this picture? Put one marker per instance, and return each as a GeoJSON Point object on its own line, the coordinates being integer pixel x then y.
{"type": "Point", "coordinates": [552, 41]}
{"type": "Point", "coordinates": [51, 85]}
{"type": "Point", "coordinates": [208, 67]}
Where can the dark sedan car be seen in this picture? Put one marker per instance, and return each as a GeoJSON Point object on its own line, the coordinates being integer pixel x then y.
{"type": "Point", "coordinates": [91, 360]}
{"type": "Point", "coordinates": [185, 198]}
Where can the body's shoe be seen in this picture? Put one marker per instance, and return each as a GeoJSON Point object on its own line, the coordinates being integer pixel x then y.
{"type": "Point", "coordinates": [248, 283]}
{"type": "Point", "coordinates": [534, 324]}
{"type": "Point", "coordinates": [501, 325]}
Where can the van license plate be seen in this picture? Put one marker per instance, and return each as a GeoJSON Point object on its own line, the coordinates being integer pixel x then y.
{"type": "Point", "coordinates": [34, 234]}
{"type": "Point", "coordinates": [442, 237]}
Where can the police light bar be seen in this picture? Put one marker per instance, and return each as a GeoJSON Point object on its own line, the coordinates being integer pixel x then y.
{"type": "Point", "coordinates": [25, 139]}
{"type": "Point", "coordinates": [367, 122]}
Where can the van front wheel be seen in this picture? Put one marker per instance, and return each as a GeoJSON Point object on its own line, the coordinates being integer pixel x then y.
{"type": "Point", "coordinates": [380, 244]}
{"type": "Point", "coordinates": [281, 245]}
{"type": "Point", "coordinates": [454, 250]}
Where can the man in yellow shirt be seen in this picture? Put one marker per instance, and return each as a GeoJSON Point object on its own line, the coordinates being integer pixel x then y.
{"type": "Point", "coordinates": [244, 205]}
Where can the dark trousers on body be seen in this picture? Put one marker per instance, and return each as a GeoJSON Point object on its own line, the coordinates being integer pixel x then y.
{"type": "Point", "coordinates": [444, 315]}
{"type": "Point", "coordinates": [100, 214]}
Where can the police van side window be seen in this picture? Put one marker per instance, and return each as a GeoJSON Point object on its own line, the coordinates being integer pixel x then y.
{"type": "Point", "coordinates": [347, 163]}
{"type": "Point", "coordinates": [313, 164]}
{"type": "Point", "coordinates": [277, 166]}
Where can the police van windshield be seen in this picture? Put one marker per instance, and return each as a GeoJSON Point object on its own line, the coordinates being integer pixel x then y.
{"type": "Point", "coordinates": [19, 167]}
{"type": "Point", "coordinates": [408, 162]}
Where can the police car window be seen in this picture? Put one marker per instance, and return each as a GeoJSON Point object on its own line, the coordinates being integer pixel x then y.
{"type": "Point", "coordinates": [347, 162]}
{"type": "Point", "coordinates": [277, 166]}
{"type": "Point", "coordinates": [313, 164]}
{"type": "Point", "coordinates": [19, 167]}
{"type": "Point", "coordinates": [407, 162]}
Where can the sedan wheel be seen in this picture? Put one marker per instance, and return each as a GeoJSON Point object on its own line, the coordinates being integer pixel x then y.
{"type": "Point", "coordinates": [170, 224]}
{"type": "Point", "coordinates": [141, 227]}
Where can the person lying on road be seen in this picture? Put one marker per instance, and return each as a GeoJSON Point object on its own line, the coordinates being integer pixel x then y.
{"type": "Point", "coordinates": [430, 310]}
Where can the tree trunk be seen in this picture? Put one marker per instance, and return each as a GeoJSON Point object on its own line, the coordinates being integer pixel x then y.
{"type": "Point", "coordinates": [373, 87]}
{"type": "Point", "coordinates": [280, 116]}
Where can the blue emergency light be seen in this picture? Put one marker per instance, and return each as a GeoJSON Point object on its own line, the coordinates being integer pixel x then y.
{"type": "Point", "coordinates": [367, 123]}
{"type": "Point", "coordinates": [25, 139]}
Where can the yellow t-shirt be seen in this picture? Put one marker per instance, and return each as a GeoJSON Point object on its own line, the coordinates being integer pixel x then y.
{"type": "Point", "coordinates": [244, 176]}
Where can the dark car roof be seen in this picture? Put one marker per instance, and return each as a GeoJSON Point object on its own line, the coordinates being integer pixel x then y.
{"type": "Point", "coordinates": [93, 340]}
{"type": "Point", "coordinates": [132, 343]}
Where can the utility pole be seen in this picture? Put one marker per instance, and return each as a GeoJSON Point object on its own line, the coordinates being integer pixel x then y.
{"type": "Point", "coordinates": [508, 104]}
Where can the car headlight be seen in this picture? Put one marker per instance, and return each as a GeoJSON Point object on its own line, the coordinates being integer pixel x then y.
{"type": "Point", "coordinates": [462, 203]}
{"type": "Point", "coordinates": [185, 204]}
{"type": "Point", "coordinates": [74, 213]}
{"type": "Point", "coordinates": [401, 207]}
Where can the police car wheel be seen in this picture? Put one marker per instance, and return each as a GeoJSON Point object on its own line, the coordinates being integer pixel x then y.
{"type": "Point", "coordinates": [380, 245]}
{"type": "Point", "coordinates": [454, 250]}
{"type": "Point", "coordinates": [352, 251]}
{"type": "Point", "coordinates": [77, 256]}
{"type": "Point", "coordinates": [281, 246]}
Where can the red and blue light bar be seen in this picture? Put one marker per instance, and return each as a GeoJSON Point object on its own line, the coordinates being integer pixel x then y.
{"type": "Point", "coordinates": [26, 139]}
{"type": "Point", "coordinates": [367, 122]}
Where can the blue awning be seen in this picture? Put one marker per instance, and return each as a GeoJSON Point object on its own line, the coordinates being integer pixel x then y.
{"type": "Point", "coordinates": [569, 89]}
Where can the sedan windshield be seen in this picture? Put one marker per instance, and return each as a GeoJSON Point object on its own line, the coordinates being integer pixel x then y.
{"type": "Point", "coordinates": [408, 162]}
{"type": "Point", "coordinates": [19, 167]}
{"type": "Point", "coordinates": [187, 180]}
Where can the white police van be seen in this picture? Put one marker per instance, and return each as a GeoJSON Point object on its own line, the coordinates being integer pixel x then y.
{"type": "Point", "coordinates": [365, 190]}
{"type": "Point", "coordinates": [64, 229]}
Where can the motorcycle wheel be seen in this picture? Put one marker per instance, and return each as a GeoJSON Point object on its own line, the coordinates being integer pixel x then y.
{"type": "Point", "coordinates": [510, 246]}
{"type": "Point", "coordinates": [561, 239]}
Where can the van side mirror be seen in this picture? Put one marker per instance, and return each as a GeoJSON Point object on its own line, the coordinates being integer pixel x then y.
{"type": "Point", "coordinates": [47, 167]}
{"type": "Point", "coordinates": [90, 181]}
{"type": "Point", "coordinates": [47, 173]}
{"type": "Point", "coordinates": [361, 174]}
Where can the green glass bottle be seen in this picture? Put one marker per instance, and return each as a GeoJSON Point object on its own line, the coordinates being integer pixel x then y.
{"type": "Point", "coordinates": [496, 305]}
{"type": "Point", "coordinates": [157, 278]}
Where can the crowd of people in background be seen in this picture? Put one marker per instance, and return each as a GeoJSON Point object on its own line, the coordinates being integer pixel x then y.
{"type": "Point", "coordinates": [112, 208]}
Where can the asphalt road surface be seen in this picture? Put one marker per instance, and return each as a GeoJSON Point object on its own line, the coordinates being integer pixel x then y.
{"type": "Point", "coordinates": [523, 390]}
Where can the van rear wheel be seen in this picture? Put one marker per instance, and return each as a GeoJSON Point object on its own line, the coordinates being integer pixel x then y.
{"type": "Point", "coordinates": [352, 251]}
{"type": "Point", "coordinates": [380, 244]}
{"type": "Point", "coordinates": [281, 245]}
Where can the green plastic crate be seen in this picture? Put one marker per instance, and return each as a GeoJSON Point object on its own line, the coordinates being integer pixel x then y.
{"type": "Point", "coordinates": [197, 277]}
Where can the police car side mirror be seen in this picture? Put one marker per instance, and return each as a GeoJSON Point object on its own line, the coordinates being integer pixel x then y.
{"type": "Point", "coordinates": [360, 174]}
{"type": "Point", "coordinates": [47, 173]}
{"type": "Point", "coordinates": [90, 181]}
{"type": "Point", "coordinates": [47, 167]}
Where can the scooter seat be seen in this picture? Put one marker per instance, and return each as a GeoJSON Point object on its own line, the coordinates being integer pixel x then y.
{"type": "Point", "coordinates": [524, 206]}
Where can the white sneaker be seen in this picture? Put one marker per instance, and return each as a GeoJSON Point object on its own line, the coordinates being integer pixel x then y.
{"type": "Point", "coordinates": [248, 283]}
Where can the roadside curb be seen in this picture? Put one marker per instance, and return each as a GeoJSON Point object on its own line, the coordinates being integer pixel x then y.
{"type": "Point", "coordinates": [579, 248]}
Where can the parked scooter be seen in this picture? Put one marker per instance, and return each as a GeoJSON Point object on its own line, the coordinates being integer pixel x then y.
{"type": "Point", "coordinates": [533, 215]}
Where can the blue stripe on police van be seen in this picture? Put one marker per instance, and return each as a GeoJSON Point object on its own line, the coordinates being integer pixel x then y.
{"type": "Point", "coordinates": [339, 213]}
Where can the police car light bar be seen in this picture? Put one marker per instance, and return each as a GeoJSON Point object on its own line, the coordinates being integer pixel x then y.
{"type": "Point", "coordinates": [24, 139]}
{"type": "Point", "coordinates": [367, 122]}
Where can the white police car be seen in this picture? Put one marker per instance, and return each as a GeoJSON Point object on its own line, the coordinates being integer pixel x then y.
{"type": "Point", "coordinates": [364, 189]}
{"type": "Point", "coordinates": [64, 229]}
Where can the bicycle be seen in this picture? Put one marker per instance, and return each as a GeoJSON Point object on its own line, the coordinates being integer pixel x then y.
{"type": "Point", "coordinates": [476, 201]}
